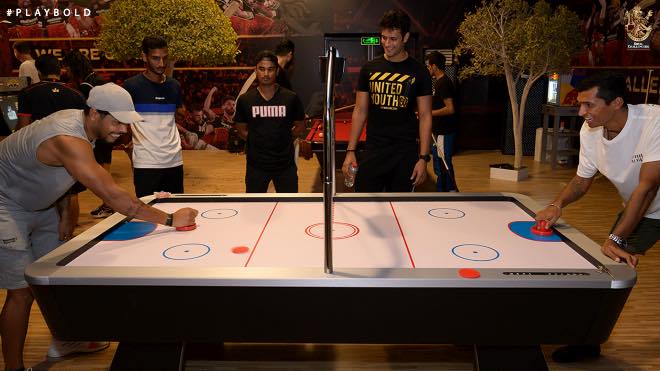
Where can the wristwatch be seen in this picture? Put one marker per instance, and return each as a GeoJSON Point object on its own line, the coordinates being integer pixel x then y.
{"type": "Point", "coordinates": [169, 220]}
{"type": "Point", "coordinates": [426, 158]}
{"type": "Point", "coordinates": [618, 240]}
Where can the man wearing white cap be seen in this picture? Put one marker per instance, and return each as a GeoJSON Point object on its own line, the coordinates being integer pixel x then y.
{"type": "Point", "coordinates": [38, 164]}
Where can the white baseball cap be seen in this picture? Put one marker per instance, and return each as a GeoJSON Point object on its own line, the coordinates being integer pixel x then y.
{"type": "Point", "coordinates": [115, 100]}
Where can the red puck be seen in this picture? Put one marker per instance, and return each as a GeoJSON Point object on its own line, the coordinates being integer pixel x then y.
{"type": "Point", "coordinates": [187, 227]}
{"type": "Point", "coordinates": [469, 273]}
{"type": "Point", "coordinates": [240, 249]}
{"type": "Point", "coordinates": [541, 229]}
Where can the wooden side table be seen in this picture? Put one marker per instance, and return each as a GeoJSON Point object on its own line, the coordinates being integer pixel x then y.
{"type": "Point", "coordinates": [572, 131]}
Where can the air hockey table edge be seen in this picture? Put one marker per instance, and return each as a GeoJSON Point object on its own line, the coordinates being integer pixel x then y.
{"type": "Point", "coordinates": [606, 273]}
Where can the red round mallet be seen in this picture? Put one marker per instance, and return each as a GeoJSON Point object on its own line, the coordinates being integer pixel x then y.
{"type": "Point", "coordinates": [541, 228]}
{"type": "Point", "coordinates": [187, 227]}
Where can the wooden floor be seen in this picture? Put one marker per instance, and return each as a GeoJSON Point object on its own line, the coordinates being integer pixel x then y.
{"type": "Point", "coordinates": [634, 344]}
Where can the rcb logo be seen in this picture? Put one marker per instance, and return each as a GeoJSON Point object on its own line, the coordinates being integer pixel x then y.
{"type": "Point", "coordinates": [637, 25]}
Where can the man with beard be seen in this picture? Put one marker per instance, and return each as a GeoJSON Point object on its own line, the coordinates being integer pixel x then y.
{"type": "Point", "coordinates": [199, 124]}
{"type": "Point", "coordinates": [230, 140]}
{"type": "Point", "coordinates": [38, 165]}
{"type": "Point", "coordinates": [156, 147]}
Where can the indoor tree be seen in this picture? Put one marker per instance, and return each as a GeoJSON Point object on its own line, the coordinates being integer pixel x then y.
{"type": "Point", "coordinates": [197, 31]}
{"type": "Point", "coordinates": [523, 43]}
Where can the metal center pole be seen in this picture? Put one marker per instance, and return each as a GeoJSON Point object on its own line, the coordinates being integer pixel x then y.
{"type": "Point", "coordinates": [329, 157]}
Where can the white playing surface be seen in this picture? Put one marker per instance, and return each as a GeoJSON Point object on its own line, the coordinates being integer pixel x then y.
{"type": "Point", "coordinates": [471, 234]}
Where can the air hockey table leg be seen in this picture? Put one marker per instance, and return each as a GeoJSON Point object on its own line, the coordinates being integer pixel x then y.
{"type": "Point", "coordinates": [523, 358]}
{"type": "Point", "coordinates": [152, 356]}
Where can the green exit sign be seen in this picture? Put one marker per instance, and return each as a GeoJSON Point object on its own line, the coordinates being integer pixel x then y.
{"type": "Point", "coordinates": [370, 40]}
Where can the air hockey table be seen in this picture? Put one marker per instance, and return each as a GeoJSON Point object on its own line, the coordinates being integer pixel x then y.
{"type": "Point", "coordinates": [408, 269]}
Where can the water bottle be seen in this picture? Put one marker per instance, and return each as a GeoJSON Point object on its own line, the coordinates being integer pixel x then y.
{"type": "Point", "coordinates": [350, 179]}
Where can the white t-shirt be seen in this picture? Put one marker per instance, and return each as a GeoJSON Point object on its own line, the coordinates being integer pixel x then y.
{"type": "Point", "coordinates": [156, 141]}
{"type": "Point", "coordinates": [621, 158]}
{"type": "Point", "coordinates": [28, 69]}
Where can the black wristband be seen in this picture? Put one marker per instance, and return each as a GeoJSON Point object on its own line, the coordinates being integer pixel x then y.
{"type": "Point", "coordinates": [169, 220]}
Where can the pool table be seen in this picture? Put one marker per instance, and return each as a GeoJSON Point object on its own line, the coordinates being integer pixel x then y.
{"type": "Point", "coordinates": [313, 142]}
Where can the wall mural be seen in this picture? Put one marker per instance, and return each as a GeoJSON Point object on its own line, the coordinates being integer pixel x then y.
{"type": "Point", "coordinates": [604, 26]}
{"type": "Point", "coordinates": [262, 23]}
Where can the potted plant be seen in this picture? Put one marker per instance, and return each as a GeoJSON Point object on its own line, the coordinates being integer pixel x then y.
{"type": "Point", "coordinates": [523, 43]}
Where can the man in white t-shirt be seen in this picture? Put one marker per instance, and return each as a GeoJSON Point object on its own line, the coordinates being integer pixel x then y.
{"type": "Point", "coordinates": [622, 142]}
{"type": "Point", "coordinates": [22, 52]}
{"type": "Point", "coordinates": [156, 153]}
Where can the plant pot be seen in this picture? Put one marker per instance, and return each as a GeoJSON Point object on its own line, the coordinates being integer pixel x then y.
{"type": "Point", "coordinates": [508, 172]}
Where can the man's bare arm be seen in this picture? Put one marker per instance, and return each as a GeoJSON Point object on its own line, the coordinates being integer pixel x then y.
{"type": "Point", "coordinates": [640, 199]}
{"type": "Point", "coordinates": [636, 206]}
{"type": "Point", "coordinates": [67, 223]}
{"type": "Point", "coordinates": [77, 157]}
{"type": "Point", "coordinates": [359, 118]}
{"type": "Point", "coordinates": [242, 129]}
{"type": "Point", "coordinates": [447, 110]}
{"type": "Point", "coordinates": [425, 123]}
{"type": "Point", "coordinates": [62, 204]}
{"type": "Point", "coordinates": [207, 104]}
{"type": "Point", "coordinates": [573, 191]}
{"type": "Point", "coordinates": [248, 83]}
{"type": "Point", "coordinates": [419, 175]}
{"type": "Point", "coordinates": [298, 128]}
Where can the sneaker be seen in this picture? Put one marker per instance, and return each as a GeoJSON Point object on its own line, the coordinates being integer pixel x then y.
{"type": "Point", "coordinates": [64, 348]}
{"type": "Point", "coordinates": [574, 353]}
{"type": "Point", "coordinates": [102, 211]}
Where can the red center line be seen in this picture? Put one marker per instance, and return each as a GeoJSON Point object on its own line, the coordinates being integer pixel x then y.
{"type": "Point", "coordinates": [403, 236]}
{"type": "Point", "coordinates": [261, 234]}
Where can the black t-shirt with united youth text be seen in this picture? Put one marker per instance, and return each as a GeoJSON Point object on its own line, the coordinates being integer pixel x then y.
{"type": "Point", "coordinates": [393, 89]}
{"type": "Point", "coordinates": [443, 89]}
{"type": "Point", "coordinates": [269, 142]}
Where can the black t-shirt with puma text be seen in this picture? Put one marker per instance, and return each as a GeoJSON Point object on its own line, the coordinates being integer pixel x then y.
{"type": "Point", "coordinates": [269, 122]}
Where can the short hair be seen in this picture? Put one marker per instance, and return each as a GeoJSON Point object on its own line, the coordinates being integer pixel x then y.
{"type": "Point", "coordinates": [267, 55]}
{"type": "Point", "coordinates": [153, 42]}
{"type": "Point", "coordinates": [226, 98]}
{"type": "Point", "coordinates": [180, 111]}
{"type": "Point", "coordinates": [395, 19]}
{"type": "Point", "coordinates": [437, 59]}
{"type": "Point", "coordinates": [22, 47]}
{"type": "Point", "coordinates": [284, 47]}
{"type": "Point", "coordinates": [196, 106]}
{"type": "Point", "coordinates": [610, 85]}
{"type": "Point", "coordinates": [47, 64]}
{"type": "Point", "coordinates": [78, 64]}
